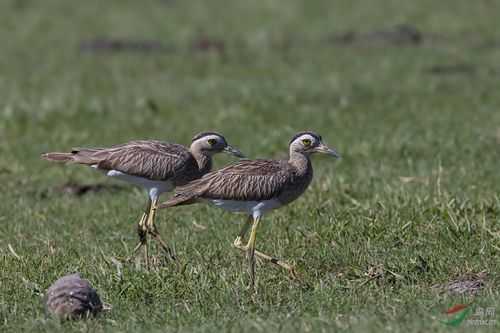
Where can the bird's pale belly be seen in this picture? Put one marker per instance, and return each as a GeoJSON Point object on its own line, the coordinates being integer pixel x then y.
{"type": "Point", "coordinates": [154, 187]}
{"type": "Point", "coordinates": [254, 208]}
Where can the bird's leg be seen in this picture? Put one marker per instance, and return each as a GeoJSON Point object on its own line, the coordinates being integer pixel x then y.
{"type": "Point", "coordinates": [251, 251]}
{"type": "Point", "coordinates": [238, 243]}
{"type": "Point", "coordinates": [153, 231]}
{"type": "Point", "coordinates": [276, 261]}
{"type": "Point", "coordinates": [142, 232]}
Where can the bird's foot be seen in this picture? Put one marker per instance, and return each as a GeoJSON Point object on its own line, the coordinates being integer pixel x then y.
{"type": "Point", "coordinates": [293, 272]}
{"type": "Point", "coordinates": [169, 252]}
{"type": "Point", "coordinates": [238, 243]}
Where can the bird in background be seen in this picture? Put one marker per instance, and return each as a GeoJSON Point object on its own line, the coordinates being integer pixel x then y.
{"type": "Point", "coordinates": [156, 166]}
{"type": "Point", "coordinates": [254, 187]}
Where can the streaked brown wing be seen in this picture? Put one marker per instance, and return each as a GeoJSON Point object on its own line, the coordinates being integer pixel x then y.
{"type": "Point", "coordinates": [244, 180]}
{"type": "Point", "coordinates": [149, 159]}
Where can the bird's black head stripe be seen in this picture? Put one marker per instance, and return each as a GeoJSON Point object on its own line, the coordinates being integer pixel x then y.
{"type": "Point", "coordinates": [202, 134]}
{"type": "Point", "coordinates": [318, 137]}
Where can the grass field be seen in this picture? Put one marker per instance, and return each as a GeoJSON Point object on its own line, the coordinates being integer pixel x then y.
{"type": "Point", "coordinates": [413, 205]}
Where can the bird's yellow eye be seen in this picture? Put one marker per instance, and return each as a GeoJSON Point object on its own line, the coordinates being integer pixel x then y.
{"type": "Point", "coordinates": [306, 142]}
{"type": "Point", "coordinates": [212, 142]}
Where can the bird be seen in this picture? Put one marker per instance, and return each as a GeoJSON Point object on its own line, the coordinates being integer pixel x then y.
{"type": "Point", "coordinates": [254, 187]}
{"type": "Point", "coordinates": [154, 165]}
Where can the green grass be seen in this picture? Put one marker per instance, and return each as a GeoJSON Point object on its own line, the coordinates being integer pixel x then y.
{"type": "Point", "coordinates": [377, 103]}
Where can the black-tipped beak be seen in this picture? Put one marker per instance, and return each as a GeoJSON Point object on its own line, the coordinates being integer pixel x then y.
{"type": "Point", "coordinates": [233, 151]}
{"type": "Point", "coordinates": [324, 149]}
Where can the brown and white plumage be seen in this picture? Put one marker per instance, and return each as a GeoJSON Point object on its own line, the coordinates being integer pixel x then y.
{"type": "Point", "coordinates": [250, 180]}
{"type": "Point", "coordinates": [256, 186]}
{"type": "Point", "coordinates": [149, 159]}
{"type": "Point", "coordinates": [157, 166]}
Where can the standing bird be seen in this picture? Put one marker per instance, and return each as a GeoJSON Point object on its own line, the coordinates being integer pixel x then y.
{"type": "Point", "coordinates": [254, 187]}
{"type": "Point", "coordinates": [154, 165]}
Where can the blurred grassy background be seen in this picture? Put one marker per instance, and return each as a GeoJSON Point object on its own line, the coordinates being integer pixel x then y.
{"type": "Point", "coordinates": [406, 91]}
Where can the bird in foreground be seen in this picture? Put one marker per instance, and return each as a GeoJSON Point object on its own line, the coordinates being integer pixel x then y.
{"type": "Point", "coordinates": [254, 187]}
{"type": "Point", "coordinates": [154, 165]}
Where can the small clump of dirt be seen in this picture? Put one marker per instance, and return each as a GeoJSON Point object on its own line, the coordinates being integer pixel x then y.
{"type": "Point", "coordinates": [116, 45]}
{"type": "Point", "coordinates": [468, 284]}
{"type": "Point", "coordinates": [78, 190]}
{"type": "Point", "coordinates": [399, 35]}
{"type": "Point", "coordinates": [489, 44]}
{"type": "Point", "coordinates": [450, 69]}
{"type": "Point", "coordinates": [207, 44]}
{"type": "Point", "coordinates": [201, 44]}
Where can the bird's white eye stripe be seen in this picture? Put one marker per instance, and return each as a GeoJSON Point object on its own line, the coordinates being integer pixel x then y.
{"type": "Point", "coordinates": [306, 137]}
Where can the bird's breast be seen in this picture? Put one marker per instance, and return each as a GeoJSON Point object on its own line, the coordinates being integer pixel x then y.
{"type": "Point", "coordinates": [295, 189]}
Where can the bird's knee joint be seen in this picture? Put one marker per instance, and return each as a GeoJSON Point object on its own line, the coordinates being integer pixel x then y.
{"type": "Point", "coordinates": [142, 232]}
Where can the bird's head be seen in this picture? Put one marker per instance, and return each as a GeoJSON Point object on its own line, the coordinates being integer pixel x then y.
{"type": "Point", "coordinates": [308, 143]}
{"type": "Point", "coordinates": [210, 143]}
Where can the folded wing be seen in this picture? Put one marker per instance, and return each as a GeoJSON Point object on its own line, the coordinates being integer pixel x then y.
{"type": "Point", "coordinates": [246, 180]}
{"type": "Point", "coordinates": [150, 159]}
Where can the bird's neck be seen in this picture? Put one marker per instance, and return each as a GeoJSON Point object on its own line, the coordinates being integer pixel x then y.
{"type": "Point", "coordinates": [204, 161]}
{"type": "Point", "coordinates": [301, 162]}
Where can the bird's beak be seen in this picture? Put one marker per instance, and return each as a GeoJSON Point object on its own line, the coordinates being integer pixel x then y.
{"type": "Point", "coordinates": [322, 148]}
{"type": "Point", "coordinates": [233, 151]}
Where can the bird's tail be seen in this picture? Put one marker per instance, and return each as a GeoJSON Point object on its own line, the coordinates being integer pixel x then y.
{"type": "Point", "coordinates": [59, 157]}
{"type": "Point", "coordinates": [77, 155]}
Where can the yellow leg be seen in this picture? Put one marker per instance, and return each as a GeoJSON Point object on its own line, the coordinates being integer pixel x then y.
{"type": "Point", "coordinates": [251, 251]}
{"type": "Point", "coordinates": [154, 232]}
{"type": "Point", "coordinates": [146, 255]}
{"type": "Point", "coordinates": [238, 243]}
{"type": "Point", "coordinates": [142, 231]}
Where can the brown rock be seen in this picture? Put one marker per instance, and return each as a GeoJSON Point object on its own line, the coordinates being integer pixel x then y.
{"type": "Point", "coordinates": [72, 297]}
